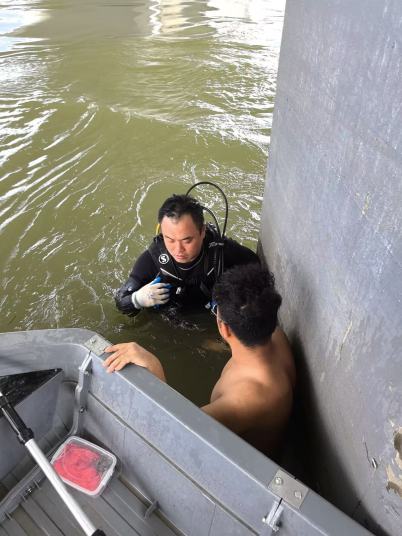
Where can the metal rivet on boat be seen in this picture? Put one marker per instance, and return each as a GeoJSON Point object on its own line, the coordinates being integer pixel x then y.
{"type": "Point", "coordinates": [298, 494]}
{"type": "Point", "coordinates": [28, 491]}
{"type": "Point", "coordinates": [151, 509]}
{"type": "Point", "coordinates": [278, 481]}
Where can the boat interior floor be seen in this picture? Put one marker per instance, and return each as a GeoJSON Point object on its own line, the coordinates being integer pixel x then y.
{"type": "Point", "coordinates": [117, 511]}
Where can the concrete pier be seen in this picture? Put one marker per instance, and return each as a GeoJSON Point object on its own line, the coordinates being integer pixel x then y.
{"type": "Point", "coordinates": [331, 233]}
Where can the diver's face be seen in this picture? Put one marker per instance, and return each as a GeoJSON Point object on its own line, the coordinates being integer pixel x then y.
{"type": "Point", "coordinates": [182, 238]}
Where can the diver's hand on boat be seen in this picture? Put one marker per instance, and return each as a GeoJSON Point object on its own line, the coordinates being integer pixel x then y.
{"type": "Point", "coordinates": [130, 352]}
{"type": "Point", "coordinates": [154, 293]}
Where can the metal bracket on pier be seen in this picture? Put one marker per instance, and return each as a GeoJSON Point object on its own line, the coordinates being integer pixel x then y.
{"type": "Point", "coordinates": [81, 394]}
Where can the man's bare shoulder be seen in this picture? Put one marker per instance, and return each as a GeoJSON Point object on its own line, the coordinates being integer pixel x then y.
{"type": "Point", "coordinates": [248, 402]}
{"type": "Point", "coordinates": [261, 395]}
{"type": "Point", "coordinates": [239, 404]}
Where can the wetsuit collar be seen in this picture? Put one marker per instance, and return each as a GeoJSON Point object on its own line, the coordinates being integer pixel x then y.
{"type": "Point", "coordinates": [190, 265]}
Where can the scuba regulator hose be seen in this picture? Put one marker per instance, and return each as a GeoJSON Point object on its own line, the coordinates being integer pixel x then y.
{"type": "Point", "coordinates": [218, 256]}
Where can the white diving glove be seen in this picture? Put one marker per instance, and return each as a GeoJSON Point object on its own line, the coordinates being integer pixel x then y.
{"type": "Point", "coordinates": [154, 293]}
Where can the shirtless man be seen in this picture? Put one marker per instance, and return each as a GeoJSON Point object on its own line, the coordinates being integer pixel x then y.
{"type": "Point", "coordinates": [253, 397]}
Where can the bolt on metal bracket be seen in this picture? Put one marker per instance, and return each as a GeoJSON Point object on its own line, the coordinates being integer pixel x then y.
{"type": "Point", "coordinates": [97, 344]}
{"type": "Point", "coordinates": [288, 488]}
{"type": "Point", "coordinates": [273, 517]}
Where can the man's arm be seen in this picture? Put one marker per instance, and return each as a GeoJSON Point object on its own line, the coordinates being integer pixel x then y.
{"type": "Point", "coordinates": [131, 352]}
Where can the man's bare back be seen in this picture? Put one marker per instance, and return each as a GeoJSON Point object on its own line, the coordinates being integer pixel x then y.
{"type": "Point", "coordinates": [253, 397]}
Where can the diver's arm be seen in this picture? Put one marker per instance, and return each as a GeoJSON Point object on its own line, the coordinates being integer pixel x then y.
{"type": "Point", "coordinates": [131, 352]}
{"type": "Point", "coordinates": [144, 271]}
{"type": "Point", "coordinates": [123, 299]}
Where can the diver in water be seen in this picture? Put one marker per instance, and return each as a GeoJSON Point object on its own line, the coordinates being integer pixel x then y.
{"type": "Point", "coordinates": [180, 267]}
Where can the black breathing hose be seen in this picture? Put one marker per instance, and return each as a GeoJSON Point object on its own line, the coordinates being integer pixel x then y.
{"type": "Point", "coordinates": [218, 257]}
{"type": "Point", "coordinates": [210, 212]}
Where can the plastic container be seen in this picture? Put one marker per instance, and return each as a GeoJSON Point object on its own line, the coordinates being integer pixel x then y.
{"type": "Point", "coordinates": [83, 465]}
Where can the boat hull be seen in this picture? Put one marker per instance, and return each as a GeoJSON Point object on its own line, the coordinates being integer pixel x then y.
{"type": "Point", "coordinates": [179, 470]}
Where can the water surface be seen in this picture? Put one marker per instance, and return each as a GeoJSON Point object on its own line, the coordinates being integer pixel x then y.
{"type": "Point", "coordinates": [106, 109]}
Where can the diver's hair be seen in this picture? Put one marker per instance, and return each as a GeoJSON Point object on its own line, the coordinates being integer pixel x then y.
{"type": "Point", "coordinates": [178, 205]}
{"type": "Point", "coordinates": [248, 303]}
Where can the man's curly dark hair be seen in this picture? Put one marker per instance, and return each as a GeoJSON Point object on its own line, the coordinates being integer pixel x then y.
{"type": "Point", "coordinates": [248, 303]}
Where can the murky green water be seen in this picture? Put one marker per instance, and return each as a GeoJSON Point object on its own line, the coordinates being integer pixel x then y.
{"type": "Point", "coordinates": [105, 110]}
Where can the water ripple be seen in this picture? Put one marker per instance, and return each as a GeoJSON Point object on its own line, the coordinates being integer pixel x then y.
{"type": "Point", "coordinates": [105, 109]}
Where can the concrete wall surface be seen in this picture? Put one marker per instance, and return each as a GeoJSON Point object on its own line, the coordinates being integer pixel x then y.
{"type": "Point", "coordinates": [331, 233]}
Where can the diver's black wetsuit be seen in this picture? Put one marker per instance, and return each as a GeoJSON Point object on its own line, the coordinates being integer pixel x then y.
{"type": "Point", "coordinates": [191, 283]}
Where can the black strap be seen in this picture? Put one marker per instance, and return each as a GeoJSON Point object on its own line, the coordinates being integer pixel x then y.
{"type": "Point", "coordinates": [212, 264]}
{"type": "Point", "coordinates": [157, 250]}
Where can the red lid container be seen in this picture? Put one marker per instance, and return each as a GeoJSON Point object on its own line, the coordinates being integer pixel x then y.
{"type": "Point", "coordinates": [83, 465]}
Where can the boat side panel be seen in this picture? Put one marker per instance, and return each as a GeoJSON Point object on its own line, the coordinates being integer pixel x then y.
{"type": "Point", "coordinates": [216, 497]}
{"type": "Point", "coordinates": [226, 525]}
{"type": "Point", "coordinates": [179, 499]}
{"type": "Point", "coordinates": [26, 351]}
{"type": "Point", "coordinates": [37, 411]}
{"type": "Point", "coordinates": [202, 449]}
